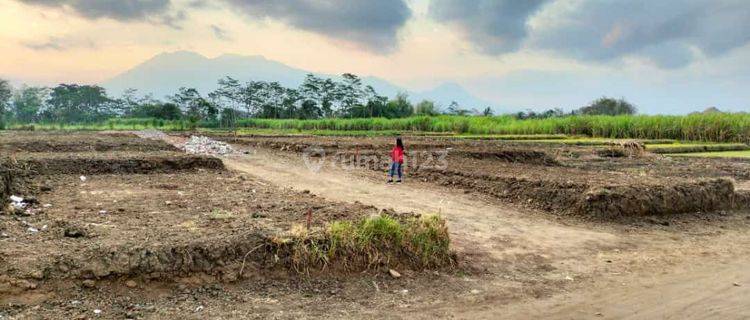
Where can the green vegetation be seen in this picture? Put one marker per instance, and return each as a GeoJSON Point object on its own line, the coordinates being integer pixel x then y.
{"type": "Point", "coordinates": [723, 127]}
{"type": "Point", "coordinates": [722, 154]}
{"type": "Point", "coordinates": [383, 240]}
{"type": "Point", "coordinates": [695, 147]}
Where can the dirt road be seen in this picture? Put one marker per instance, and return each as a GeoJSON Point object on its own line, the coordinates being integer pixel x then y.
{"type": "Point", "coordinates": [588, 270]}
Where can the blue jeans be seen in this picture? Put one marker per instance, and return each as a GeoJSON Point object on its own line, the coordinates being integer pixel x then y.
{"type": "Point", "coordinates": [396, 167]}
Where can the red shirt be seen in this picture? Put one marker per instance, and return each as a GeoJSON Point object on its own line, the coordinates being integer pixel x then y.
{"type": "Point", "coordinates": [397, 154]}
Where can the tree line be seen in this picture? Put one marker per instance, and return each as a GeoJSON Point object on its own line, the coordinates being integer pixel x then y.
{"type": "Point", "coordinates": [315, 98]}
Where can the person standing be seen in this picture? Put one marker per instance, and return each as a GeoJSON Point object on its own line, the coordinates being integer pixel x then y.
{"type": "Point", "coordinates": [397, 161]}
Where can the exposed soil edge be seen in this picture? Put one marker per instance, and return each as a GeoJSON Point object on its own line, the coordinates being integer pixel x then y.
{"type": "Point", "coordinates": [601, 201]}
{"type": "Point", "coordinates": [134, 165]}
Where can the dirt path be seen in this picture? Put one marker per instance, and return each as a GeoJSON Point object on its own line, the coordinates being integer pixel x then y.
{"type": "Point", "coordinates": [503, 238]}
{"type": "Point", "coordinates": [499, 231]}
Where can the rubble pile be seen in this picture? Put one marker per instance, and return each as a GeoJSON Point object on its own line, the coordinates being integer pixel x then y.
{"type": "Point", "coordinates": [207, 146]}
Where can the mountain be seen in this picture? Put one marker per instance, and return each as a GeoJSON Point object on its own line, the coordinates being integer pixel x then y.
{"type": "Point", "coordinates": [163, 74]}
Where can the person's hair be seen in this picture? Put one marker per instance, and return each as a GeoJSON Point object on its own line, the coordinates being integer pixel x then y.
{"type": "Point", "coordinates": [399, 143]}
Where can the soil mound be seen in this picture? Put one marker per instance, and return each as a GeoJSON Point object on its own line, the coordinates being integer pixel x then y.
{"type": "Point", "coordinates": [126, 164]}
{"type": "Point", "coordinates": [512, 156]}
{"type": "Point", "coordinates": [641, 199]}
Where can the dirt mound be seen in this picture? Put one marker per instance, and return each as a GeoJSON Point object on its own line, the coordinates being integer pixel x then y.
{"type": "Point", "coordinates": [82, 164]}
{"type": "Point", "coordinates": [101, 145]}
{"type": "Point", "coordinates": [642, 199]}
{"type": "Point", "coordinates": [512, 156]}
{"type": "Point", "coordinates": [590, 200]}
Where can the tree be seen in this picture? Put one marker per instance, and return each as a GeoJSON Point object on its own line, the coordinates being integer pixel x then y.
{"type": "Point", "coordinates": [426, 108]}
{"type": "Point", "coordinates": [6, 91]}
{"type": "Point", "coordinates": [72, 103]}
{"type": "Point", "coordinates": [608, 106]}
{"type": "Point", "coordinates": [350, 93]}
{"type": "Point", "coordinates": [456, 110]}
{"type": "Point", "coordinates": [399, 107]}
{"type": "Point", "coordinates": [487, 112]}
{"type": "Point", "coordinates": [195, 106]}
{"type": "Point", "coordinates": [28, 102]}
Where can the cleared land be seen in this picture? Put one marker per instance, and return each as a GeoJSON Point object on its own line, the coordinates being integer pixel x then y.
{"type": "Point", "coordinates": [536, 230]}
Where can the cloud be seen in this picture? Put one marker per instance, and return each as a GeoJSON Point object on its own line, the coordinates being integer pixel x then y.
{"type": "Point", "coordinates": [669, 33]}
{"type": "Point", "coordinates": [220, 33]}
{"type": "Point", "coordinates": [121, 10]}
{"type": "Point", "coordinates": [59, 44]}
{"type": "Point", "coordinates": [493, 26]}
{"type": "Point", "coordinates": [372, 24]}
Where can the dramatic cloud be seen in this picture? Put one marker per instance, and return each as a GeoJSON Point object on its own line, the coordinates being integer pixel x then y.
{"type": "Point", "coordinates": [494, 26]}
{"type": "Point", "coordinates": [373, 24]}
{"type": "Point", "coordinates": [121, 10]}
{"type": "Point", "coordinates": [670, 33]}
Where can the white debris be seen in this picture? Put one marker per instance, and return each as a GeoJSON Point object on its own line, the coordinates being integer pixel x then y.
{"type": "Point", "coordinates": [17, 202]}
{"type": "Point", "coordinates": [83, 178]}
{"type": "Point", "coordinates": [207, 146]}
{"type": "Point", "coordinates": [199, 309]}
{"type": "Point", "coordinates": [32, 230]}
{"type": "Point", "coordinates": [97, 311]}
{"type": "Point", "coordinates": [102, 211]}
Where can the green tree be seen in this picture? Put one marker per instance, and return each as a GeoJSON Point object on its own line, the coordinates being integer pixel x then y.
{"type": "Point", "coordinates": [455, 109]}
{"type": "Point", "coordinates": [426, 108]}
{"type": "Point", "coordinates": [608, 106]}
{"type": "Point", "coordinates": [195, 106]}
{"type": "Point", "coordinates": [72, 103]}
{"type": "Point", "coordinates": [28, 103]}
{"type": "Point", "coordinates": [399, 107]}
{"type": "Point", "coordinates": [6, 91]}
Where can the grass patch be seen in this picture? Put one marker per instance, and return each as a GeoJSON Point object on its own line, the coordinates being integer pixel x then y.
{"type": "Point", "coordinates": [695, 147]}
{"type": "Point", "coordinates": [380, 241]}
{"type": "Point", "coordinates": [721, 154]}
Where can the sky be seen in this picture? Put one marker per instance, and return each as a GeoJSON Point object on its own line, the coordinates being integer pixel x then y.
{"type": "Point", "coordinates": [666, 56]}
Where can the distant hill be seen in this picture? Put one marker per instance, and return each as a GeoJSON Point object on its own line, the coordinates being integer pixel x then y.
{"type": "Point", "coordinates": [163, 74]}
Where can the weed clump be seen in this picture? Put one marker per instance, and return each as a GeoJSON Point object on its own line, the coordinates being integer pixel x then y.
{"type": "Point", "coordinates": [380, 241]}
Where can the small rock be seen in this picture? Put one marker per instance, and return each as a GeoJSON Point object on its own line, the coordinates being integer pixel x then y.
{"type": "Point", "coordinates": [4, 235]}
{"type": "Point", "coordinates": [32, 230]}
{"type": "Point", "coordinates": [83, 178]}
{"type": "Point", "coordinates": [199, 309]}
{"type": "Point", "coordinates": [394, 273]}
{"type": "Point", "coordinates": [89, 284]}
{"type": "Point", "coordinates": [475, 291]}
{"type": "Point", "coordinates": [97, 311]}
{"type": "Point", "coordinates": [736, 284]}
{"type": "Point", "coordinates": [131, 284]}
{"type": "Point", "coordinates": [74, 232]}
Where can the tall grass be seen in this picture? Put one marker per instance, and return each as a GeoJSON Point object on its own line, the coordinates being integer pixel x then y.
{"type": "Point", "coordinates": [720, 127]}
{"type": "Point", "coordinates": [699, 127]}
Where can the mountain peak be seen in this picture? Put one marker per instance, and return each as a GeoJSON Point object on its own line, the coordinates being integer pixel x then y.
{"type": "Point", "coordinates": [166, 72]}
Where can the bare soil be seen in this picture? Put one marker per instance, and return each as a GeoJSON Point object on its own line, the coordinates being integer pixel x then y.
{"type": "Point", "coordinates": [169, 243]}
